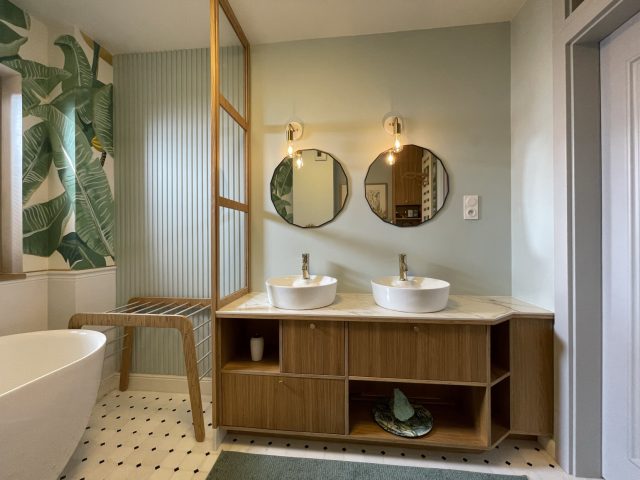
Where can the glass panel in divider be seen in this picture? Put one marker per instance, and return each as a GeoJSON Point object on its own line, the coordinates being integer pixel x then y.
{"type": "Point", "coordinates": [232, 251]}
{"type": "Point", "coordinates": [231, 65]}
{"type": "Point", "coordinates": [232, 173]}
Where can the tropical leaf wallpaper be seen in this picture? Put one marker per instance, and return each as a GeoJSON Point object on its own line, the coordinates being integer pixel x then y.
{"type": "Point", "coordinates": [71, 113]}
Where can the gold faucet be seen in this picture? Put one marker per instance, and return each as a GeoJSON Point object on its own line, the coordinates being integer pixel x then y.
{"type": "Point", "coordinates": [403, 267]}
{"type": "Point", "coordinates": [305, 266]}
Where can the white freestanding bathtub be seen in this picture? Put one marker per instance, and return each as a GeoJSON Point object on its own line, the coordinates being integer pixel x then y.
{"type": "Point", "coordinates": [48, 386]}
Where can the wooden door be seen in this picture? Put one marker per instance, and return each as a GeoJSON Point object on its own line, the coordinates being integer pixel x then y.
{"type": "Point", "coordinates": [313, 347]}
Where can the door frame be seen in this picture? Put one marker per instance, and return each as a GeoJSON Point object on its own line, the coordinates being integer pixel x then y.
{"type": "Point", "coordinates": [578, 228]}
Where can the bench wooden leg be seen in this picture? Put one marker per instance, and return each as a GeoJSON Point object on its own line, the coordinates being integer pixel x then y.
{"type": "Point", "coordinates": [190, 363]}
{"type": "Point", "coordinates": [127, 351]}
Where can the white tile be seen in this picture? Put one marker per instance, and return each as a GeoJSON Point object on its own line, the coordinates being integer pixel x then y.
{"type": "Point", "coordinates": [134, 408]}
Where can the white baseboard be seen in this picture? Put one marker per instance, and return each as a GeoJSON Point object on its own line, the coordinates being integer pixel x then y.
{"type": "Point", "coordinates": [152, 383]}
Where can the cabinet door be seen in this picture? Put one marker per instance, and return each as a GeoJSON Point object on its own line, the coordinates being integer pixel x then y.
{"type": "Point", "coordinates": [407, 185]}
{"type": "Point", "coordinates": [249, 401]}
{"type": "Point", "coordinates": [313, 347]}
{"type": "Point", "coordinates": [531, 376]}
{"type": "Point", "coordinates": [283, 403]}
{"type": "Point", "coordinates": [418, 351]}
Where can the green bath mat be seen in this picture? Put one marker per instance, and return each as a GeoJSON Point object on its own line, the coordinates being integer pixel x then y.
{"type": "Point", "coordinates": [244, 466]}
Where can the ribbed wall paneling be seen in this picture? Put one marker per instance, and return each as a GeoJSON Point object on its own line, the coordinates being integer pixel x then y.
{"type": "Point", "coordinates": [162, 190]}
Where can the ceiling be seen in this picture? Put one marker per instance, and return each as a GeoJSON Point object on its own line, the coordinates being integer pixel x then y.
{"type": "Point", "coordinates": [270, 21]}
{"type": "Point", "coordinates": [126, 26]}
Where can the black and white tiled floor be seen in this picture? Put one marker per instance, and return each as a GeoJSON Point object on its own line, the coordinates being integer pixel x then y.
{"type": "Point", "coordinates": [147, 435]}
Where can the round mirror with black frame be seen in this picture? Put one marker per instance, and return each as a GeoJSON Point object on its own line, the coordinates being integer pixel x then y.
{"type": "Point", "coordinates": [406, 188]}
{"type": "Point", "coordinates": [309, 189]}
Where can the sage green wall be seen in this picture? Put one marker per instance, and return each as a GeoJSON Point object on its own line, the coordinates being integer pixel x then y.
{"type": "Point", "coordinates": [532, 154]}
{"type": "Point", "coordinates": [452, 86]}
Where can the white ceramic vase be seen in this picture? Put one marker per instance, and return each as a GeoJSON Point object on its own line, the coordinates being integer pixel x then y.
{"type": "Point", "coordinates": [257, 348]}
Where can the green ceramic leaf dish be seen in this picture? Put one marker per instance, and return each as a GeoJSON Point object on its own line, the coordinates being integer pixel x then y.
{"type": "Point", "coordinates": [417, 426]}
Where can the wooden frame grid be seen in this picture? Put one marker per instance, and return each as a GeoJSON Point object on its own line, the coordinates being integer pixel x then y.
{"type": "Point", "coordinates": [218, 101]}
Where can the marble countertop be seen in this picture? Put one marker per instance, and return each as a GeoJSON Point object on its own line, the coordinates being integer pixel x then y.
{"type": "Point", "coordinates": [469, 309]}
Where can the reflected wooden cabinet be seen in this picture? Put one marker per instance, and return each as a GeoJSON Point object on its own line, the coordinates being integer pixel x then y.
{"type": "Point", "coordinates": [482, 380]}
{"type": "Point", "coordinates": [407, 183]}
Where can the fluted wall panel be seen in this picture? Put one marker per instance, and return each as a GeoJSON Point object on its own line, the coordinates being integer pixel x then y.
{"type": "Point", "coordinates": [163, 194]}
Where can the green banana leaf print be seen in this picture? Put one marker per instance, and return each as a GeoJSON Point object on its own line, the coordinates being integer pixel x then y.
{"type": "Point", "coordinates": [80, 117]}
{"type": "Point", "coordinates": [83, 178]}
{"type": "Point", "coordinates": [38, 81]}
{"type": "Point", "coordinates": [103, 117]}
{"type": "Point", "coordinates": [78, 255]}
{"type": "Point", "coordinates": [281, 186]}
{"type": "Point", "coordinates": [14, 15]}
{"type": "Point", "coordinates": [42, 226]}
{"type": "Point", "coordinates": [81, 76]}
{"type": "Point", "coordinates": [36, 159]}
{"type": "Point", "coordinates": [10, 41]}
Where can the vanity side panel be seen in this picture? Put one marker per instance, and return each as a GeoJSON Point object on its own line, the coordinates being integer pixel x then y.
{"type": "Point", "coordinates": [531, 376]}
{"type": "Point", "coordinates": [310, 347]}
{"type": "Point", "coordinates": [455, 353]}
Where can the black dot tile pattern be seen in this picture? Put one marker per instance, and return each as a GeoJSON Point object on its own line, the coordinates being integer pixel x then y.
{"type": "Point", "coordinates": [162, 425]}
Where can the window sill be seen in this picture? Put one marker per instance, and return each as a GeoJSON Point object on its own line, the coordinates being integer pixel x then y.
{"type": "Point", "coordinates": [8, 277]}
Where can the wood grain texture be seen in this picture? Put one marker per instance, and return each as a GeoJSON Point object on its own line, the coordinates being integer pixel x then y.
{"type": "Point", "coordinates": [427, 352]}
{"type": "Point", "coordinates": [283, 403]}
{"type": "Point", "coordinates": [313, 347]}
{"type": "Point", "coordinates": [532, 376]}
{"type": "Point", "coordinates": [127, 352]}
{"type": "Point", "coordinates": [130, 321]}
{"type": "Point", "coordinates": [215, 219]}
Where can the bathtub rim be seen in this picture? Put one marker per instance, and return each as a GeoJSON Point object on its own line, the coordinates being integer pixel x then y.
{"type": "Point", "coordinates": [99, 336]}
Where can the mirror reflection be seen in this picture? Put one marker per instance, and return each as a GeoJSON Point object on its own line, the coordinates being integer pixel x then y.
{"type": "Point", "coordinates": [407, 188]}
{"type": "Point", "coordinates": [309, 189]}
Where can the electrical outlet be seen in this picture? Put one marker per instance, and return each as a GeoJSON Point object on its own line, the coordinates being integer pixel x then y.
{"type": "Point", "coordinates": [471, 207]}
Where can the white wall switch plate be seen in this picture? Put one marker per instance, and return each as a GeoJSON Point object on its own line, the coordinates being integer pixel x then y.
{"type": "Point", "coordinates": [471, 207]}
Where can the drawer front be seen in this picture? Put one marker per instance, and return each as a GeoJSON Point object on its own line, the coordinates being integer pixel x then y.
{"type": "Point", "coordinates": [283, 403]}
{"type": "Point", "coordinates": [417, 351]}
{"type": "Point", "coordinates": [312, 347]}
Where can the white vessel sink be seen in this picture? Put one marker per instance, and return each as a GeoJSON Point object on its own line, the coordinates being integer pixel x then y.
{"type": "Point", "coordinates": [292, 292]}
{"type": "Point", "coordinates": [415, 295]}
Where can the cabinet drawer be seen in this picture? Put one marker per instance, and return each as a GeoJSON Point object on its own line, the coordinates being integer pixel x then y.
{"type": "Point", "coordinates": [417, 351]}
{"type": "Point", "coordinates": [313, 347]}
{"type": "Point", "coordinates": [283, 403]}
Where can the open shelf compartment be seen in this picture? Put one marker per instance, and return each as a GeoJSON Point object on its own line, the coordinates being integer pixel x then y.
{"type": "Point", "coordinates": [500, 411]}
{"type": "Point", "coordinates": [500, 353]}
{"type": "Point", "coordinates": [235, 348]}
{"type": "Point", "coordinates": [460, 413]}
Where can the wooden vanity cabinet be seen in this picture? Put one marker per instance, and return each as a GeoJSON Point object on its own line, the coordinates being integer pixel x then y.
{"type": "Point", "coordinates": [482, 380]}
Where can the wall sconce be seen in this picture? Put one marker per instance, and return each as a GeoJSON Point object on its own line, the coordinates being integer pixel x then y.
{"type": "Point", "coordinates": [293, 132]}
{"type": "Point", "coordinates": [393, 125]}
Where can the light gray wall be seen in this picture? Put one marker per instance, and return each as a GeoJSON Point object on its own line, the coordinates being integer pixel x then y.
{"type": "Point", "coordinates": [532, 243]}
{"type": "Point", "coordinates": [452, 88]}
{"type": "Point", "coordinates": [162, 178]}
